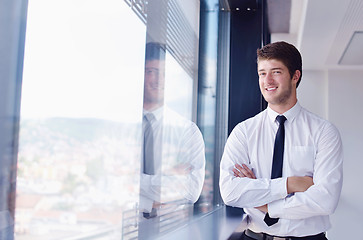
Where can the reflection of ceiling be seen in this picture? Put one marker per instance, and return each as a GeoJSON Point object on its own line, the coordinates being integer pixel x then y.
{"type": "Point", "coordinates": [323, 31]}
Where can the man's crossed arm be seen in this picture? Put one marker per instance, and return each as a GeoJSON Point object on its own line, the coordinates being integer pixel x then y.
{"type": "Point", "coordinates": [293, 184]}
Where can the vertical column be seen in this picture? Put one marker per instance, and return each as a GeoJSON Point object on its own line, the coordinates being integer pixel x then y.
{"type": "Point", "coordinates": [12, 32]}
{"type": "Point", "coordinates": [156, 27]}
{"type": "Point", "coordinates": [156, 24]}
{"type": "Point", "coordinates": [246, 37]}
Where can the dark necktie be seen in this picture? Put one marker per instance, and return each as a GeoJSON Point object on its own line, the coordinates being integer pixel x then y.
{"type": "Point", "coordinates": [149, 161]}
{"type": "Point", "coordinates": [149, 145]}
{"type": "Point", "coordinates": [277, 160]}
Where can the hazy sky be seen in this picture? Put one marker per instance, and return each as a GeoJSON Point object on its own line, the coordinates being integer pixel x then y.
{"type": "Point", "coordinates": [85, 58]}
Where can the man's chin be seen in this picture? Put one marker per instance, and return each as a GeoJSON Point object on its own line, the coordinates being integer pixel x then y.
{"type": "Point", "coordinates": [153, 101]}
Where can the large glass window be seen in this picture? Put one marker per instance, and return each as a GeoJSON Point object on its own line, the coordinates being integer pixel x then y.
{"type": "Point", "coordinates": [108, 147]}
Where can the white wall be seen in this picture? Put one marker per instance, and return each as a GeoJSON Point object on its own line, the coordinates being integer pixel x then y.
{"type": "Point", "coordinates": [345, 111]}
{"type": "Point", "coordinates": [337, 96]}
{"type": "Point", "coordinates": [313, 92]}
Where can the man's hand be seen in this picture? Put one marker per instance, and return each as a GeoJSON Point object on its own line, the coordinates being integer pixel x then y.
{"type": "Point", "coordinates": [243, 171]}
{"type": "Point", "coordinates": [298, 184]}
{"type": "Point", "coordinates": [263, 208]}
{"type": "Point", "coordinates": [180, 169]}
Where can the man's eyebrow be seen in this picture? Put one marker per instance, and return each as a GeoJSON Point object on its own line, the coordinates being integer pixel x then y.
{"type": "Point", "coordinates": [276, 68]}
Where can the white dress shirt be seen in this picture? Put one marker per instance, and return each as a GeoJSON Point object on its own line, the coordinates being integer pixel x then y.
{"type": "Point", "coordinates": [312, 148]}
{"type": "Point", "coordinates": [179, 161]}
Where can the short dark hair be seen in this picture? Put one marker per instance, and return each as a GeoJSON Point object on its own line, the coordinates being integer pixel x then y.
{"type": "Point", "coordinates": [284, 52]}
{"type": "Point", "coordinates": [154, 51]}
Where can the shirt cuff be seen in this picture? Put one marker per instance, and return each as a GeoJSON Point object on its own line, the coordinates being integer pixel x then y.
{"type": "Point", "coordinates": [279, 188]}
{"type": "Point", "coordinates": [275, 208]}
{"type": "Point", "coordinates": [145, 204]}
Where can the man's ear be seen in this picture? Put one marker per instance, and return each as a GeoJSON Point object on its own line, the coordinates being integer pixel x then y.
{"type": "Point", "coordinates": [296, 76]}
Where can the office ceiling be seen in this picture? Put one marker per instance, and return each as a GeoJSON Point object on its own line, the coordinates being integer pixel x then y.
{"type": "Point", "coordinates": [329, 33]}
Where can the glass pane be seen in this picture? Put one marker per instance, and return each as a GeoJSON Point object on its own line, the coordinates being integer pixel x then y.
{"type": "Point", "coordinates": [90, 77]}
{"type": "Point", "coordinates": [80, 138]}
{"type": "Point", "coordinates": [173, 169]}
{"type": "Point", "coordinates": [173, 172]}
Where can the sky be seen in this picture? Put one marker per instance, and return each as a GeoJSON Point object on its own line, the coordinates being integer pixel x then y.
{"type": "Point", "coordinates": [85, 59]}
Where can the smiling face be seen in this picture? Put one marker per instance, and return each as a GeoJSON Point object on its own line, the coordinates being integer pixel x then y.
{"type": "Point", "coordinates": [276, 85]}
{"type": "Point", "coordinates": [154, 84]}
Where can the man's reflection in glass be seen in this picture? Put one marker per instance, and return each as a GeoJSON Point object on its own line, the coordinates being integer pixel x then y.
{"type": "Point", "coordinates": [173, 165]}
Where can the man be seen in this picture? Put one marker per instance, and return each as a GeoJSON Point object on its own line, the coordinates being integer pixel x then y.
{"type": "Point", "coordinates": [173, 165]}
{"type": "Point", "coordinates": [288, 188]}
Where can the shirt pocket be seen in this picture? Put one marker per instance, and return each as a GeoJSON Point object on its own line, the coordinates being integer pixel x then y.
{"type": "Point", "coordinates": [302, 160]}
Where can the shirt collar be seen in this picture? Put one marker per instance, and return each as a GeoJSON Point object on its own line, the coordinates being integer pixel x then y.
{"type": "Point", "coordinates": [158, 113]}
{"type": "Point", "coordinates": [289, 114]}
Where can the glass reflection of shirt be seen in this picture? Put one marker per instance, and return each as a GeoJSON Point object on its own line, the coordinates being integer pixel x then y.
{"type": "Point", "coordinates": [312, 148]}
{"type": "Point", "coordinates": [180, 161]}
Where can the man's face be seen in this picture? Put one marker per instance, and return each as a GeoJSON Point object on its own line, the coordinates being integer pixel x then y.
{"type": "Point", "coordinates": [276, 85]}
{"type": "Point", "coordinates": [154, 82]}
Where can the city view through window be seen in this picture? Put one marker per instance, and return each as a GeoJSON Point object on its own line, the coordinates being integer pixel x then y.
{"type": "Point", "coordinates": [81, 120]}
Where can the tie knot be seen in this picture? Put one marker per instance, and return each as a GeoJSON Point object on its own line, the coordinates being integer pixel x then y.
{"type": "Point", "coordinates": [149, 117]}
{"type": "Point", "coordinates": [281, 119]}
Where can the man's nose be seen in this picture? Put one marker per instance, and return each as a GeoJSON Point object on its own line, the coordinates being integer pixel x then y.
{"type": "Point", "coordinates": [150, 76]}
{"type": "Point", "coordinates": [269, 79]}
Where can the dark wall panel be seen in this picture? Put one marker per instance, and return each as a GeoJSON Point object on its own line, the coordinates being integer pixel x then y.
{"type": "Point", "coordinates": [246, 35]}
